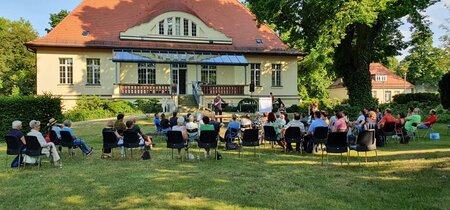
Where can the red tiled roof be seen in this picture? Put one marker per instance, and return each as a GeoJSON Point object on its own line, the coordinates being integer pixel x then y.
{"type": "Point", "coordinates": [393, 80]}
{"type": "Point", "coordinates": [105, 19]}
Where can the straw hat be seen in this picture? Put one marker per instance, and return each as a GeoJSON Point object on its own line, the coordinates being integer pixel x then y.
{"type": "Point", "coordinates": [52, 121]}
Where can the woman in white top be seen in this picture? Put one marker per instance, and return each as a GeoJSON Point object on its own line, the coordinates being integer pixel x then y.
{"type": "Point", "coordinates": [191, 125]}
{"type": "Point", "coordinates": [47, 148]}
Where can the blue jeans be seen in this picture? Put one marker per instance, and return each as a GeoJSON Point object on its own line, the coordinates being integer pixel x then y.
{"type": "Point", "coordinates": [82, 145]}
{"type": "Point", "coordinates": [423, 126]}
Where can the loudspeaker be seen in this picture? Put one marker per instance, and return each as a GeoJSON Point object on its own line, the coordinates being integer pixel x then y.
{"type": "Point", "coordinates": [252, 87]}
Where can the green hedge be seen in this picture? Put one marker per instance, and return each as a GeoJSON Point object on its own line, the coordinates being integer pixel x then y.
{"type": "Point", "coordinates": [417, 97]}
{"type": "Point", "coordinates": [27, 108]}
{"type": "Point", "coordinates": [149, 105]}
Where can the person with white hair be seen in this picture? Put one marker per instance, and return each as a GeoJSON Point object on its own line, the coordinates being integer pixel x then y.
{"type": "Point", "coordinates": [48, 149]}
{"type": "Point", "coordinates": [191, 125]}
{"type": "Point", "coordinates": [181, 128]}
{"type": "Point", "coordinates": [16, 132]}
{"type": "Point", "coordinates": [77, 141]}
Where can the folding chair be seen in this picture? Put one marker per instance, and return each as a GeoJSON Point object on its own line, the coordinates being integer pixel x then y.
{"type": "Point", "coordinates": [67, 141]}
{"type": "Point", "coordinates": [55, 140]}
{"type": "Point", "coordinates": [366, 142]}
{"type": "Point", "coordinates": [131, 140]}
{"type": "Point", "coordinates": [294, 135]}
{"type": "Point", "coordinates": [337, 143]}
{"type": "Point", "coordinates": [270, 135]}
{"type": "Point", "coordinates": [388, 130]}
{"type": "Point", "coordinates": [175, 141]}
{"type": "Point", "coordinates": [250, 139]}
{"type": "Point", "coordinates": [13, 147]}
{"type": "Point", "coordinates": [427, 130]}
{"type": "Point", "coordinates": [320, 138]}
{"type": "Point", "coordinates": [109, 141]}
{"type": "Point", "coordinates": [34, 149]}
{"type": "Point", "coordinates": [231, 135]}
{"type": "Point", "coordinates": [208, 140]}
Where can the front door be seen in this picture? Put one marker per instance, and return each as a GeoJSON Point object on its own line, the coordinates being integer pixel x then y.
{"type": "Point", "coordinates": [179, 73]}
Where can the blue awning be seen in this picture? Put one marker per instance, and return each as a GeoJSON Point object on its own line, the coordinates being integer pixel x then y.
{"type": "Point", "coordinates": [136, 56]}
{"type": "Point", "coordinates": [130, 57]}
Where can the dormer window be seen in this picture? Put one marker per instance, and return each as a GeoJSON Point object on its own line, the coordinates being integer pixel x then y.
{"type": "Point", "coordinates": [177, 26]}
{"type": "Point", "coordinates": [381, 78]}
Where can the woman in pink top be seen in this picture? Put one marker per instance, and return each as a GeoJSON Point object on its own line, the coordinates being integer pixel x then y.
{"type": "Point", "coordinates": [340, 125]}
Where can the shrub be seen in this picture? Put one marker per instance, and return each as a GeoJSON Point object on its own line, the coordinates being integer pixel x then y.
{"type": "Point", "coordinates": [149, 105]}
{"type": "Point", "coordinates": [91, 103]}
{"type": "Point", "coordinates": [27, 108]}
{"type": "Point", "coordinates": [444, 90]}
{"type": "Point", "coordinates": [120, 106]}
{"type": "Point", "coordinates": [419, 97]}
{"type": "Point", "coordinates": [248, 105]}
{"type": "Point", "coordinates": [83, 115]}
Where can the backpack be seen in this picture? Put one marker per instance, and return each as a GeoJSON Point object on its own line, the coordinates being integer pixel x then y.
{"type": "Point", "coordinates": [231, 146]}
{"type": "Point", "coordinates": [146, 155]}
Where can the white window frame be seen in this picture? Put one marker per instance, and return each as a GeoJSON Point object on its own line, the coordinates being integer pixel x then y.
{"type": "Point", "coordinates": [276, 75]}
{"type": "Point", "coordinates": [170, 26]}
{"type": "Point", "coordinates": [161, 27]}
{"type": "Point", "coordinates": [66, 71]}
{"type": "Point", "coordinates": [386, 98]}
{"type": "Point", "coordinates": [255, 74]}
{"type": "Point", "coordinates": [146, 73]}
{"type": "Point", "coordinates": [185, 27]}
{"type": "Point", "coordinates": [177, 26]}
{"type": "Point", "coordinates": [193, 29]}
{"type": "Point", "coordinates": [93, 71]}
{"type": "Point", "coordinates": [381, 78]}
{"type": "Point", "coordinates": [209, 74]}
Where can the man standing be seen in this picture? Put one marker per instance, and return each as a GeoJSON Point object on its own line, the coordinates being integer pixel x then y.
{"type": "Point", "coordinates": [218, 101]}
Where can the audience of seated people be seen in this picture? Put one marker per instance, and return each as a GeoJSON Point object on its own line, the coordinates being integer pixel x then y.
{"type": "Point", "coordinates": [76, 141]}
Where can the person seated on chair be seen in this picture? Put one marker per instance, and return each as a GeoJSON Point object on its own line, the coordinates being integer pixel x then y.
{"type": "Point", "coordinates": [246, 123]}
{"type": "Point", "coordinates": [48, 149]}
{"type": "Point", "coordinates": [54, 127]}
{"type": "Point", "coordinates": [413, 119]}
{"type": "Point", "coordinates": [165, 124]}
{"type": "Point", "coordinates": [294, 123]}
{"type": "Point", "coordinates": [359, 123]}
{"type": "Point", "coordinates": [180, 127]}
{"type": "Point", "coordinates": [324, 116]}
{"type": "Point", "coordinates": [130, 128]}
{"type": "Point", "coordinates": [77, 141]}
{"type": "Point", "coordinates": [148, 139]}
{"type": "Point", "coordinates": [206, 127]}
{"type": "Point", "coordinates": [16, 131]}
{"type": "Point", "coordinates": [316, 122]}
{"type": "Point", "coordinates": [400, 122]}
{"type": "Point", "coordinates": [281, 119]}
{"type": "Point", "coordinates": [277, 125]}
{"type": "Point", "coordinates": [213, 121]}
{"type": "Point", "coordinates": [119, 125]}
{"type": "Point", "coordinates": [110, 128]}
{"type": "Point", "coordinates": [191, 125]}
{"type": "Point", "coordinates": [371, 121]}
{"type": "Point", "coordinates": [339, 125]}
{"type": "Point", "coordinates": [173, 119]}
{"type": "Point", "coordinates": [427, 123]}
{"type": "Point", "coordinates": [387, 118]}
{"type": "Point", "coordinates": [157, 123]}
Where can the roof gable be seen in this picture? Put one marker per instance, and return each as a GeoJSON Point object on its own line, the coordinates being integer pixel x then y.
{"type": "Point", "coordinates": [106, 19]}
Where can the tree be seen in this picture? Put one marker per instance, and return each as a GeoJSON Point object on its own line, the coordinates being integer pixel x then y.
{"type": "Point", "coordinates": [17, 64]}
{"type": "Point", "coordinates": [343, 36]}
{"type": "Point", "coordinates": [444, 90]}
{"type": "Point", "coordinates": [55, 18]}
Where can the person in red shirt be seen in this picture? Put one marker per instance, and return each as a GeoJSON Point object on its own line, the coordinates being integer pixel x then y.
{"type": "Point", "coordinates": [387, 118]}
{"type": "Point", "coordinates": [428, 123]}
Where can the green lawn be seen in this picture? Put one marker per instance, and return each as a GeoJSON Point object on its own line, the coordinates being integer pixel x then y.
{"type": "Point", "coordinates": [414, 176]}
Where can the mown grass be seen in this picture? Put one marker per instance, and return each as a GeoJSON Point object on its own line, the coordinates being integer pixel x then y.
{"type": "Point", "coordinates": [414, 176]}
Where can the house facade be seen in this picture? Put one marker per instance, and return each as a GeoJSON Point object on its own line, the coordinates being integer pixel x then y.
{"type": "Point", "coordinates": [385, 85]}
{"type": "Point", "coordinates": [164, 49]}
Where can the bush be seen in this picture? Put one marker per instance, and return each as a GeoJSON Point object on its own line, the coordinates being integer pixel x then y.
{"type": "Point", "coordinates": [418, 97]}
{"type": "Point", "coordinates": [248, 105]}
{"type": "Point", "coordinates": [83, 115]}
{"type": "Point", "coordinates": [444, 90]}
{"type": "Point", "coordinates": [149, 105]}
{"type": "Point", "coordinates": [91, 103]}
{"type": "Point", "coordinates": [27, 108]}
{"type": "Point", "coordinates": [124, 107]}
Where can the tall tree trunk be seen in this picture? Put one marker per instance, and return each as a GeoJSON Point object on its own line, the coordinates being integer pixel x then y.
{"type": "Point", "coordinates": [352, 62]}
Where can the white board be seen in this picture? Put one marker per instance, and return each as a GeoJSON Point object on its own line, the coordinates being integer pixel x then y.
{"type": "Point", "coordinates": [265, 104]}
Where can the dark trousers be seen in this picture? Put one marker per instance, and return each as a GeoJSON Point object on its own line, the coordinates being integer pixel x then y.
{"type": "Point", "coordinates": [218, 112]}
{"type": "Point", "coordinates": [297, 146]}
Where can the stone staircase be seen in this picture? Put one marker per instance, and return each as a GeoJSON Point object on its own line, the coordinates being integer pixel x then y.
{"type": "Point", "coordinates": [187, 103]}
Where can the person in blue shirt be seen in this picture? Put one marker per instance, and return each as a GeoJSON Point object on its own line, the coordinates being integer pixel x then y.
{"type": "Point", "coordinates": [76, 141]}
{"type": "Point", "coordinates": [157, 122]}
{"type": "Point", "coordinates": [233, 124]}
{"type": "Point", "coordinates": [16, 132]}
{"type": "Point", "coordinates": [317, 122]}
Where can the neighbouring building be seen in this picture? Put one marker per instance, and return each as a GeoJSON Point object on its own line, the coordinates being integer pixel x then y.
{"type": "Point", "coordinates": [385, 85]}
{"type": "Point", "coordinates": [164, 49]}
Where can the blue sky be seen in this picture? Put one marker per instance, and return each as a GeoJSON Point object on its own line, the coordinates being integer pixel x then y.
{"type": "Point", "coordinates": [37, 12]}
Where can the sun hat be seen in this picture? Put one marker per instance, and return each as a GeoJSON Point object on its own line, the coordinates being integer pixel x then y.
{"type": "Point", "coordinates": [52, 121]}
